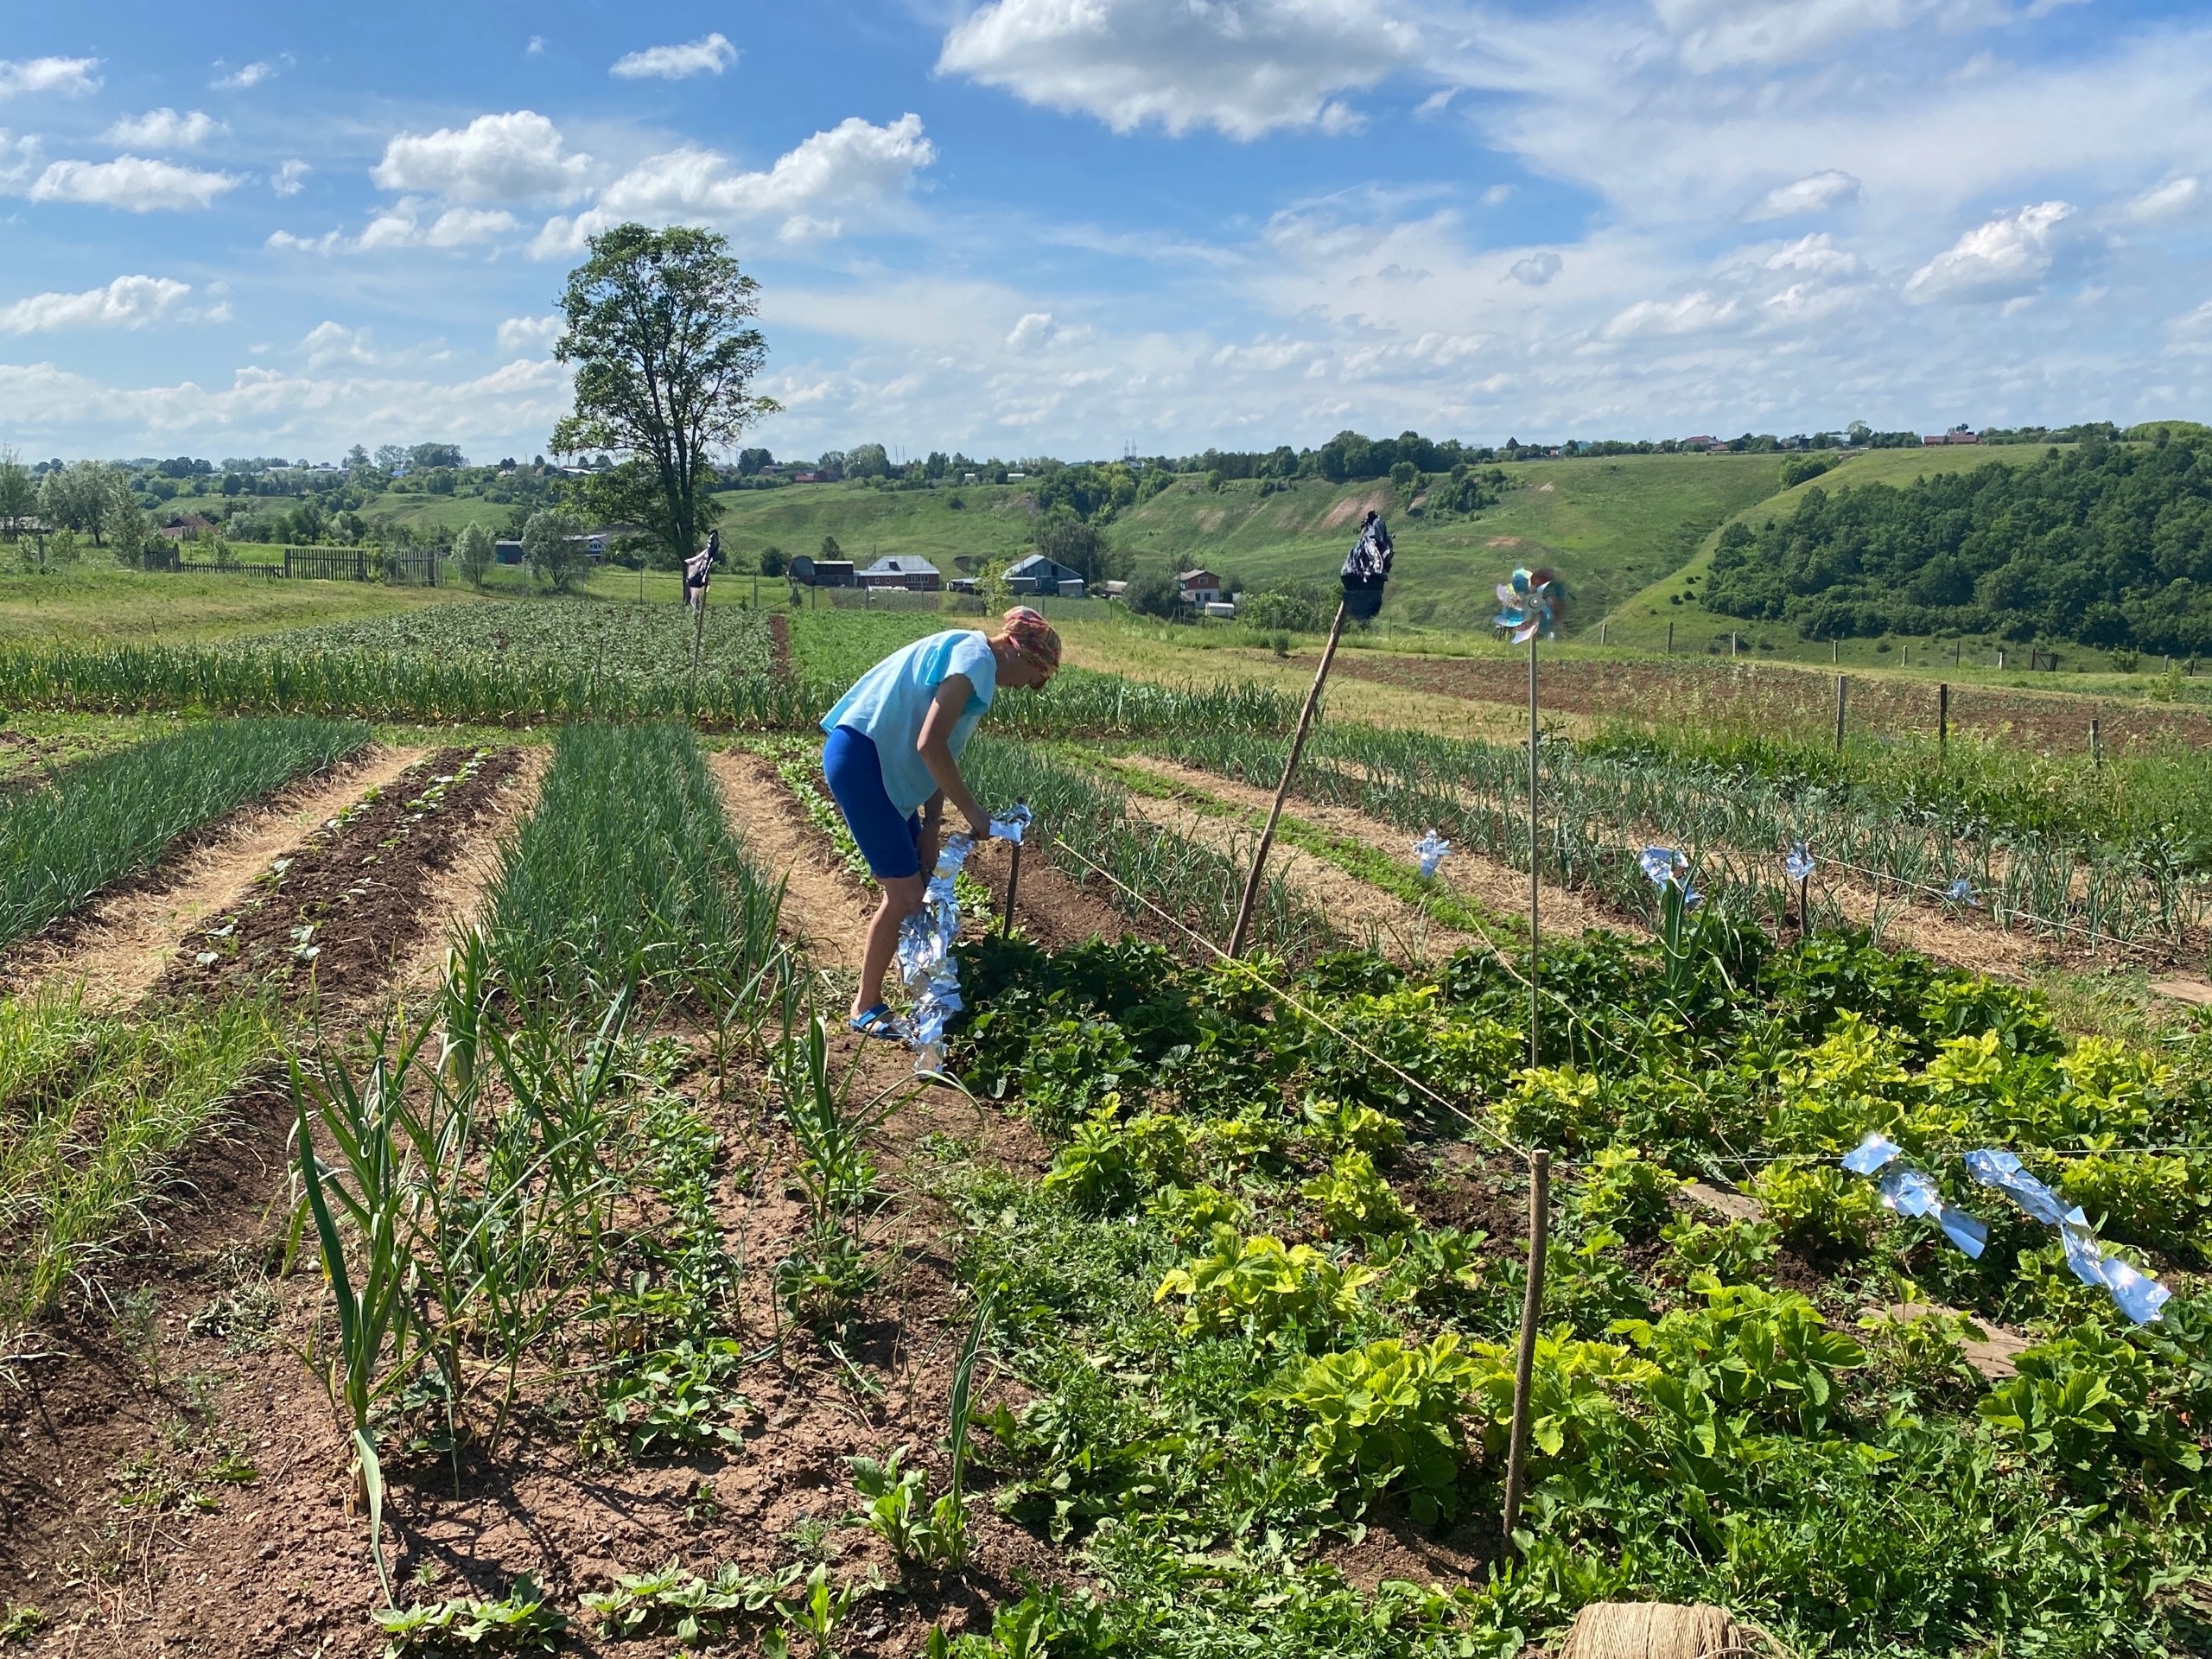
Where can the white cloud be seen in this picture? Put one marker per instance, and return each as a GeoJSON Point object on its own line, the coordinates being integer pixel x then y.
{"type": "Point", "coordinates": [72, 77]}
{"type": "Point", "coordinates": [708, 55]}
{"type": "Point", "coordinates": [525, 336]}
{"type": "Point", "coordinates": [519, 157]}
{"type": "Point", "coordinates": [18, 160]}
{"type": "Point", "coordinates": [269, 409]}
{"type": "Point", "coordinates": [2171, 199]}
{"type": "Point", "coordinates": [291, 178]}
{"type": "Point", "coordinates": [2194, 325]}
{"type": "Point", "coordinates": [852, 163]}
{"type": "Point", "coordinates": [1536, 269]}
{"type": "Point", "coordinates": [163, 128]}
{"type": "Point", "coordinates": [126, 302]}
{"type": "Point", "coordinates": [331, 342]}
{"type": "Point", "coordinates": [1816, 255]}
{"type": "Point", "coordinates": [1034, 328]}
{"type": "Point", "coordinates": [329, 242]}
{"type": "Point", "coordinates": [1713, 34]}
{"type": "Point", "coordinates": [1692, 313]}
{"type": "Point", "coordinates": [2004, 259]}
{"type": "Point", "coordinates": [535, 48]}
{"type": "Point", "coordinates": [1243, 66]}
{"type": "Point", "coordinates": [1817, 192]}
{"type": "Point", "coordinates": [403, 225]}
{"type": "Point", "coordinates": [1498, 195]}
{"type": "Point", "coordinates": [131, 182]}
{"type": "Point", "coordinates": [246, 75]}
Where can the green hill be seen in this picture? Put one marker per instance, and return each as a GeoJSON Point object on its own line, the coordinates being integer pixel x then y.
{"type": "Point", "coordinates": [1610, 525]}
{"type": "Point", "coordinates": [1641, 619]}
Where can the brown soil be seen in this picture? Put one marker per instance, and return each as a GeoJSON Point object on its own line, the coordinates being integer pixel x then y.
{"type": "Point", "coordinates": [361, 885]}
{"type": "Point", "coordinates": [456, 895]}
{"type": "Point", "coordinates": [825, 906]}
{"type": "Point", "coordinates": [779, 644]}
{"type": "Point", "coordinates": [2053, 720]}
{"type": "Point", "coordinates": [119, 947]}
{"type": "Point", "coordinates": [273, 1563]}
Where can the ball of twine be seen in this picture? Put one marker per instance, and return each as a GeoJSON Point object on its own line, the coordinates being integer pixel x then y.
{"type": "Point", "coordinates": [1662, 1630]}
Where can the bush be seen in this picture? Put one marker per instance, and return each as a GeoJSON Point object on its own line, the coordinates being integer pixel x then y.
{"type": "Point", "coordinates": [1389, 1413]}
{"type": "Point", "coordinates": [473, 554]}
{"type": "Point", "coordinates": [552, 549]}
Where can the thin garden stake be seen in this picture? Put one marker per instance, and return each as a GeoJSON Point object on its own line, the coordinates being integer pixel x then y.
{"type": "Point", "coordinates": [1942, 719]}
{"type": "Point", "coordinates": [2096, 743]}
{"type": "Point", "coordinates": [1841, 693]}
{"type": "Point", "coordinates": [1535, 861]}
{"type": "Point", "coordinates": [1274, 813]}
{"type": "Point", "coordinates": [1532, 1309]}
{"type": "Point", "coordinates": [1013, 881]}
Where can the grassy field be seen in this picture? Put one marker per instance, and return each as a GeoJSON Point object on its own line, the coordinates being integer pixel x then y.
{"type": "Point", "coordinates": [97, 602]}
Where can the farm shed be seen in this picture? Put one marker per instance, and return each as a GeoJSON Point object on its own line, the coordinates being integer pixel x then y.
{"type": "Point", "coordinates": [918, 575]}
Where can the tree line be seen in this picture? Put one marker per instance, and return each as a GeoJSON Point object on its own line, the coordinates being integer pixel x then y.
{"type": "Point", "coordinates": [2107, 545]}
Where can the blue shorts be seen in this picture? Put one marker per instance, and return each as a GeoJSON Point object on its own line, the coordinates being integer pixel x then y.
{"type": "Point", "coordinates": [892, 845]}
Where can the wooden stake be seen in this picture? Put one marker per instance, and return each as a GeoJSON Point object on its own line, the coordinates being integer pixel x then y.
{"type": "Point", "coordinates": [1013, 881]}
{"type": "Point", "coordinates": [1841, 693]}
{"type": "Point", "coordinates": [1532, 1310]}
{"type": "Point", "coordinates": [1942, 719]}
{"type": "Point", "coordinates": [2096, 743]}
{"type": "Point", "coordinates": [1275, 812]}
{"type": "Point", "coordinates": [1601, 633]}
{"type": "Point", "coordinates": [1670, 639]}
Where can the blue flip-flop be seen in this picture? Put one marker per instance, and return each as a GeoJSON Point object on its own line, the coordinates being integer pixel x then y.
{"type": "Point", "coordinates": [877, 1021]}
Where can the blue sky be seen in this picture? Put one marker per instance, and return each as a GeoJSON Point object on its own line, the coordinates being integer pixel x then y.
{"type": "Point", "coordinates": [1059, 226]}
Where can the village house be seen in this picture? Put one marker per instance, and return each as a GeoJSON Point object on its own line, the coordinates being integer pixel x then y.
{"type": "Point", "coordinates": [918, 575]}
{"type": "Point", "coordinates": [1039, 575]}
{"type": "Point", "coordinates": [1198, 587]}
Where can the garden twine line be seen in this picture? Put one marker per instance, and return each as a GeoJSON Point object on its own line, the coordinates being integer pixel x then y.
{"type": "Point", "coordinates": [1997, 913]}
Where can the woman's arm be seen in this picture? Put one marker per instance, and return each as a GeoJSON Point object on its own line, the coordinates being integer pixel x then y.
{"type": "Point", "coordinates": [935, 747]}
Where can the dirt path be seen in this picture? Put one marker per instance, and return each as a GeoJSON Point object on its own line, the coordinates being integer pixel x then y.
{"type": "Point", "coordinates": [1364, 914]}
{"type": "Point", "coordinates": [1491, 883]}
{"type": "Point", "coordinates": [825, 907]}
{"type": "Point", "coordinates": [457, 895]}
{"type": "Point", "coordinates": [119, 947]}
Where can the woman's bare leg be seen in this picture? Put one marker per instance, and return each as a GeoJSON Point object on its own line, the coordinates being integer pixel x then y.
{"type": "Point", "coordinates": [902, 897]}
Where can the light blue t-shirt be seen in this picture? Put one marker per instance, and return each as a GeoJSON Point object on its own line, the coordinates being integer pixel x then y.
{"type": "Point", "coordinates": [892, 699]}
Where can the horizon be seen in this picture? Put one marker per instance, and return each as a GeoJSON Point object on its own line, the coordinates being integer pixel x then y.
{"type": "Point", "coordinates": [1018, 231]}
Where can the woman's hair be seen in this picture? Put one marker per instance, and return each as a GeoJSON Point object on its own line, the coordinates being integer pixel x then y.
{"type": "Point", "coordinates": [1031, 637]}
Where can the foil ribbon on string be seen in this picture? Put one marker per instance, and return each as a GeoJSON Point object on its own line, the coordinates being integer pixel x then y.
{"type": "Point", "coordinates": [1430, 850]}
{"type": "Point", "coordinates": [2135, 1292]}
{"type": "Point", "coordinates": [1908, 1192]}
{"type": "Point", "coordinates": [926, 964]}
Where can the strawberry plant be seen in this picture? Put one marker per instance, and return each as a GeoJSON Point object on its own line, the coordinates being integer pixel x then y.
{"type": "Point", "coordinates": [1258, 1285]}
{"type": "Point", "coordinates": [1387, 1414]}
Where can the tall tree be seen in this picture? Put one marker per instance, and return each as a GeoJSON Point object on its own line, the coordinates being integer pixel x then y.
{"type": "Point", "coordinates": [659, 326]}
{"type": "Point", "coordinates": [18, 495]}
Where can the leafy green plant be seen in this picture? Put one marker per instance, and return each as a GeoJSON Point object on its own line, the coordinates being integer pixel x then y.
{"type": "Point", "coordinates": [1257, 1285]}
{"type": "Point", "coordinates": [1732, 1251]}
{"type": "Point", "coordinates": [1819, 1202]}
{"type": "Point", "coordinates": [688, 1606]}
{"type": "Point", "coordinates": [897, 1507]}
{"type": "Point", "coordinates": [1626, 1191]}
{"type": "Point", "coordinates": [520, 1622]}
{"type": "Point", "coordinates": [1389, 1413]}
{"type": "Point", "coordinates": [2090, 1400]}
{"type": "Point", "coordinates": [1109, 1162]}
{"type": "Point", "coordinates": [1575, 1389]}
{"type": "Point", "coordinates": [1355, 1201]}
{"type": "Point", "coordinates": [1767, 1353]}
{"type": "Point", "coordinates": [675, 1400]}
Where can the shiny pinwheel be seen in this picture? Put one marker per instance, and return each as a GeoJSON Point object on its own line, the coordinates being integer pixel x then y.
{"type": "Point", "coordinates": [1530, 605]}
{"type": "Point", "coordinates": [1798, 864]}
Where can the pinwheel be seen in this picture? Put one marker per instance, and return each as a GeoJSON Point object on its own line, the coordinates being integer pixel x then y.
{"type": "Point", "coordinates": [1666, 867]}
{"type": "Point", "coordinates": [1798, 865]}
{"type": "Point", "coordinates": [1960, 892]}
{"type": "Point", "coordinates": [1430, 850]}
{"type": "Point", "coordinates": [1532, 604]}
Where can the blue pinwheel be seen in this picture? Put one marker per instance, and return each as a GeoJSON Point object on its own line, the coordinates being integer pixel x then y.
{"type": "Point", "coordinates": [1798, 864]}
{"type": "Point", "coordinates": [1960, 892]}
{"type": "Point", "coordinates": [1531, 605]}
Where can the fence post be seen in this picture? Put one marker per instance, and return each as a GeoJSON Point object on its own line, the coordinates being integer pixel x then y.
{"type": "Point", "coordinates": [1532, 1309]}
{"type": "Point", "coordinates": [2001, 662]}
{"type": "Point", "coordinates": [1942, 719]}
{"type": "Point", "coordinates": [288, 564]}
{"type": "Point", "coordinates": [1735, 642]}
{"type": "Point", "coordinates": [1841, 684]}
{"type": "Point", "coordinates": [1601, 633]}
{"type": "Point", "coordinates": [1670, 639]}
